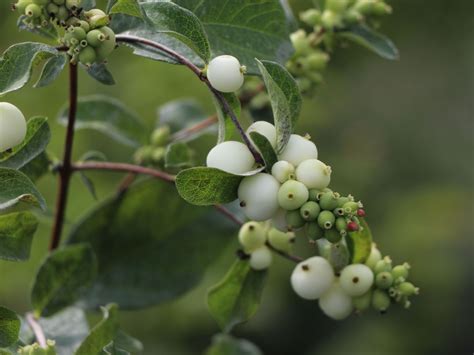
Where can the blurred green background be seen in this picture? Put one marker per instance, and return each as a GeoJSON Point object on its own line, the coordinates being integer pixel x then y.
{"type": "Point", "coordinates": [399, 136]}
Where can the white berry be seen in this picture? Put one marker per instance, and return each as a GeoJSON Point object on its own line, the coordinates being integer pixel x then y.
{"type": "Point", "coordinates": [252, 236]}
{"type": "Point", "coordinates": [261, 258]}
{"type": "Point", "coordinates": [258, 195]}
{"type": "Point", "coordinates": [356, 279]}
{"type": "Point", "coordinates": [12, 126]}
{"type": "Point", "coordinates": [314, 174]}
{"type": "Point", "coordinates": [312, 277]}
{"type": "Point", "coordinates": [266, 129]}
{"type": "Point", "coordinates": [232, 157]}
{"type": "Point", "coordinates": [225, 73]}
{"type": "Point", "coordinates": [299, 149]}
{"type": "Point", "coordinates": [283, 171]}
{"type": "Point", "coordinates": [335, 303]}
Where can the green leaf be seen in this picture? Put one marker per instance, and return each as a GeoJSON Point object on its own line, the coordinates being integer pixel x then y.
{"type": "Point", "coordinates": [102, 334]}
{"type": "Point", "coordinates": [62, 278]}
{"type": "Point", "coordinates": [180, 114]}
{"type": "Point", "coordinates": [265, 148]}
{"type": "Point", "coordinates": [150, 228]}
{"type": "Point", "coordinates": [285, 98]}
{"type": "Point", "coordinates": [178, 155]}
{"type": "Point", "coordinates": [124, 344]}
{"type": "Point", "coordinates": [37, 138]}
{"type": "Point", "coordinates": [128, 7]}
{"type": "Point", "coordinates": [245, 29]}
{"type": "Point", "coordinates": [18, 192]}
{"type": "Point", "coordinates": [89, 184]}
{"type": "Point", "coordinates": [49, 32]}
{"type": "Point", "coordinates": [51, 70]}
{"type": "Point", "coordinates": [226, 126]}
{"type": "Point", "coordinates": [359, 243]}
{"type": "Point", "coordinates": [17, 62]}
{"type": "Point", "coordinates": [100, 73]}
{"type": "Point", "coordinates": [236, 298]}
{"type": "Point", "coordinates": [9, 327]}
{"type": "Point", "coordinates": [374, 41]}
{"type": "Point", "coordinates": [109, 116]}
{"type": "Point", "coordinates": [225, 344]}
{"type": "Point", "coordinates": [16, 235]}
{"type": "Point", "coordinates": [36, 168]}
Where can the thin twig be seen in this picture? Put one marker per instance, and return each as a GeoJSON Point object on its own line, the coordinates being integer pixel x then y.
{"type": "Point", "coordinates": [37, 330]}
{"type": "Point", "coordinates": [295, 258]}
{"type": "Point", "coordinates": [229, 214]}
{"type": "Point", "coordinates": [189, 131]}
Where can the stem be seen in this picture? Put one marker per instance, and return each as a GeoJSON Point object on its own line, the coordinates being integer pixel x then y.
{"type": "Point", "coordinates": [37, 330]}
{"type": "Point", "coordinates": [187, 132]}
{"type": "Point", "coordinates": [295, 258]}
{"type": "Point", "coordinates": [65, 169]}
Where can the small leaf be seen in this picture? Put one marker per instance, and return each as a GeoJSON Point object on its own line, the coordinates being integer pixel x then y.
{"type": "Point", "coordinates": [49, 31]}
{"type": "Point", "coordinates": [109, 116]}
{"type": "Point", "coordinates": [178, 155]}
{"type": "Point", "coordinates": [265, 148]}
{"type": "Point", "coordinates": [236, 298]}
{"type": "Point", "coordinates": [102, 334]}
{"type": "Point", "coordinates": [37, 138]}
{"type": "Point", "coordinates": [99, 72]}
{"type": "Point", "coordinates": [36, 168]}
{"type": "Point", "coordinates": [9, 327]}
{"type": "Point", "coordinates": [226, 126]}
{"type": "Point", "coordinates": [359, 243]}
{"type": "Point", "coordinates": [89, 184]}
{"type": "Point", "coordinates": [124, 344]}
{"type": "Point", "coordinates": [17, 191]}
{"type": "Point", "coordinates": [127, 7]}
{"type": "Point", "coordinates": [285, 98]}
{"type": "Point", "coordinates": [16, 235]}
{"type": "Point", "coordinates": [17, 62]}
{"type": "Point", "coordinates": [51, 70]}
{"type": "Point", "coordinates": [62, 278]}
{"type": "Point", "coordinates": [180, 114]}
{"type": "Point", "coordinates": [225, 344]}
{"type": "Point", "coordinates": [374, 41]}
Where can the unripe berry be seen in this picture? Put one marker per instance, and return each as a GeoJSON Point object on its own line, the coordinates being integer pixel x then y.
{"type": "Point", "coordinates": [326, 219]}
{"type": "Point", "coordinates": [77, 32]}
{"type": "Point", "coordinates": [341, 224]}
{"type": "Point", "coordinates": [311, 17]}
{"type": "Point", "coordinates": [158, 154]}
{"type": "Point", "coordinates": [266, 129]}
{"type": "Point", "coordinates": [336, 5]}
{"type": "Point", "coordinates": [362, 303]}
{"type": "Point", "coordinates": [280, 240]}
{"type": "Point", "coordinates": [314, 195]}
{"type": "Point", "coordinates": [351, 207]}
{"type": "Point", "coordinates": [341, 201]}
{"type": "Point", "coordinates": [225, 73]}
{"type": "Point", "coordinates": [314, 174]}
{"type": "Point", "coordinates": [21, 5]}
{"type": "Point", "coordinates": [143, 155]}
{"type": "Point", "coordinates": [84, 25]}
{"type": "Point", "coordinates": [298, 150]}
{"type": "Point", "coordinates": [258, 196]}
{"type": "Point", "coordinates": [33, 11]}
{"type": "Point", "coordinates": [328, 201]}
{"type": "Point", "coordinates": [384, 280]}
{"type": "Point", "coordinates": [330, 19]}
{"type": "Point", "coordinates": [401, 271]}
{"type": "Point", "coordinates": [294, 220]}
{"type": "Point", "coordinates": [160, 136]}
{"type": "Point", "coordinates": [335, 303]}
{"type": "Point", "coordinates": [261, 258]}
{"type": "Point", "coordinates": [332, 235]}
{"type": "Point", "coordinates": [12, 126]}
{"type": "Point", "coordinates": [408, 289]}
{"type": "Point", "coordinates": [107, 46]}
{"type": "Point", "coordinates": [356, 279]}
{"type": "Point", "coordinates": [232, 157]}
{"type": "Point", "coordinates": [74, 4]}
{"type": "Point", "coordinates": [52, 9]}
{"type": "Point", "coordinates": [283, 171]}
{"type": "Point", "coordinates": [373, 257]}
{"type": "Point", "coordinates": [353, 16]}
{"type": "Point", "coordinates": [314, 231]}
{"type": "Point", "coordinates": [87, 55]}
{"type": "Point", "coordinates": [310, 211]}
{"type": "Point", "coordinates": [380, 301]}
{"type": "Point", "coordinates": [317, 60]}
{"type": "Point", "coordinates": [62, 14]}
{"type": "Point", "coordinates": [292, 194]}
{"type": "Point", "coordinates": [312, 277]}
{"type": "Point", "coordinates": [252, 236]}
{"type": "Point", "coordinates": [300, 42]}
{"type": "Point", "coordinates": [95, 38]}
{"type": "Point", "coordinates": [59, 2]}
{"type": "Point", "coordinates": [383, 265]}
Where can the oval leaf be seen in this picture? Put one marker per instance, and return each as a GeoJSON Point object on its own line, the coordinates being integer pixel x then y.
{"type": "Point", "coordinates": [359, 243]}
{"type": "Point", "coordinates": [9, 327]}
{"type": "Point", "coordinates": [18, 192]}
{"type": "Point", "coordinates": [16, 235]}
{"type": "Point", "coordinates": [51, 70]}
{"type": "Point", "coordinates": [127, 7]}
{"type": "Point", "coordinates": [265, 148]}
{"type": "Point", "coordinates": [99, 72]}
{"type": "Point", "coordinates": [225, 344]}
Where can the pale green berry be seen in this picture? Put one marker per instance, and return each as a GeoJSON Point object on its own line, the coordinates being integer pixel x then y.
{"type": "Point", "coordinates": [408, 289]}
{"type": "Point", "coordinates": [95, 38]}
{"type": "Point", "coordinates": [87, 55]}
{"type": "Point", "coordinates": [107, 46]}
{"type": "Point", "coordinates": [261, 258]}
{"type": "Point", "coordinates": [21, 5]}
{"type": "Point", "coordinates": [252, 236]}
{"type": "Point", "coordinates": [225, 73]}
{"type": "Point", "coordinates": [317, 60]}
{"type": "Point", "coordinates": [301, 43]}
{"type": "Point", "coordinates": [337, 5]}
{"type": "Point", "coordinates": [351, 207]}
{"type": "Point", "coordinates": [158, 154]}
{"type": "Point", "coordinates": [12, 126]}
{"type": "Point", "coordinates": [311, 17]}
{"type": "Point", "coordinates": [314, 195]}
{"type": "Point", "coordinates": [380, 300]}
{"type": "Point", "coordinates": [77, 32]}
{"type": "Point", "coordinates": [52, 9]}
{"type": "Point", "coordinates": [401, 271]}
{"type": "Point", "coordinates": [283, 171]}
{"type": "Point", "coordinates": [143, 155]}
{"type": "Point", "coordinates": [356, 279]}
{"type": "Point", "coordinates": [59, 2]}
{"type": "Point", "coordinates": [292, 195]}
{"type": "Point", "coordinates": [328, 201]}
{"type": "Point", "coordinates": [330, 19]}
{"type": "Point", "coordinates": [294, 220]}
{"type": "Point", "coordinates": [332, 235]}
{"type": "Point", "coordinates": [380, 9]}
{"type": "Point", "coordinates": [335, 303]}
{"type": "Point", "coordinates": [74, 4]}
{"type": "Point", "coordinates": [383, 265]}
{"type": "Point", "coordinates": [84, 25]}
{"type": "Point", "coordinates": [314, 231]}
{"type": "Point", "coordinates": [33, 11]}
{"type": "Point", "coordinates": [299, 149]}
{"type": "Point", "coordinates": [258, 196]}
{"type": "Point", "coordinates": [264, 128]}
{"type": "Point", "coordinates": [341, 201]}
{"type": "Point", "coordinates": [341, 224]}
{"type": "Point", "coordinates": [160, 136]}
{"type": "Point", "coordinates": [373, 257]}
{"type": "Point", "coordinates": [310, 211]}
{"type": "Point", "coordinates": [326, 219]}
{"type": "Point", "coordinates": [384, 280]}
{"type": "Point", "coordinates": [338, 212]}
{"type": "Point", "coordinates": [362, 303]}
{"type": "Point", "coordinates": [312, 277]}
{"type": "Point", "coordinates": [232, 157]}
{"type": "Point", "coordinates": [96, 17]}
{"type": "Point", "coordinates": [314, 174]}
{"type": "Point", "coordinates": [281, 240]}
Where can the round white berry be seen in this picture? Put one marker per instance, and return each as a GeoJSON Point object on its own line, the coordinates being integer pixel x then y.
{"type": "Point", "coordinates": [312, 277]}
{"type": "Point", "coordinates": [252, 235]}
{"type": "Point", "coordinates": [292, 195]}
{"type": "Point", "coordinates": [232, 157]}
{"type": "Point", "coordinates": [356, 279]}
{"type": "Point", "coordinates": [258, 195]}
{"type": "Point", "coordinates": [12, 126]}
{"type": "Point", "coordinates": [261, 258]}
{"type": "Point", "coordinates": [335, 303]}
{"type": "Point", "coordinates": [283, 171]}
{"type": "Point", "coordinates": [266, 129]}
{"type": "Point", "coordinates": [314, 174]}
{"type": "Point", "coordinates": [225, 73]}
{"type": "Point", "coordinates": [299, 149]}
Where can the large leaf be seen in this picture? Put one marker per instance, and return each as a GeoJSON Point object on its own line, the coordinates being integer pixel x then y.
{"type": "Point", "coordinates": [359, 243]}
{"type": "Point", "coordinates": [9, 327]}
{"type": "Point", "coordinates": [35, 142]}
{"type": "Point", "coordinates": [226, 126]}
{"type": "Point", "coordinates": [225, 344]}
{"type": "Point", "coordinates": [51, 70]}
{"type": "Point", "coordinates": [127, 7]}
{"type": "Point", "coordinates": [180, 114]}
{"type": "Point", "coordinates": [236, 298]}
{"type": "Point", "coordinates": [372, 40]}
{"type": "Point", "coordinates": [265, 148]}
{"type": "Point", "coordinates": [151, 245]}
{"type": "Point", "coordinates": [246, 29]}
{"type": "Point", "coordinates": [16, 235]}
{"type": "Point", "coordinates": [63, 276]}
{"type": "Point", "coordinates": [18, 192]}
{"type": "Point", "coordinates": [17, 62]}
{"type": "Point", "coordinates": [109, 116]}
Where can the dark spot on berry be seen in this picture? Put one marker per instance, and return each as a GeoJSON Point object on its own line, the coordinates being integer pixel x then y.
{"type": "Point", "coordinates": [242, 204]}
{"type": "Point", "coordinates": [251, 227]}
{"type": "Point", "coordinates": [355, 280]}
{"type": "Point", "coordinates": [290, 196]}
{"type": "Point", "coordinates": [305, 267]}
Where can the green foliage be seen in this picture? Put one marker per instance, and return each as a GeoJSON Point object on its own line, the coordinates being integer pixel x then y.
{"type": "Point", "coordinates": [265, 148]}
{"type": "Point", "coordinates": [51, 70]}
{"type": "Point", "coordinates": [62, 278]}
{"type": "Point", "coordinates": [180, 114]}
{"type": "Point", "coordinates": [16, 235]}
{"type": "Point", "coordinates": [127, 7]}
{"type": "Point", "coordinates": [226, 126]}
{"type": "Point", "coordinates": [178, 155]}
{"type": "Point", "coordinates": [9, 327]}
{"type": "Point", "coordinates": [37, 167]}
{"type": "Point", "coordinates": [49, 32]}
{"type": "Point", "coordinates": [236, 298]}
{"type": "Point", "coordinates": [359, 243]}
{"type": "Point", "coordinates": [225, 344]}
{"type": "Point", "coordinates": [109, 116]}
{"type": "Point", "coordinates": [285, 99]}
{"type": "Point", "coordinates": [99, 72]}
{"type": "Point", "coordinates": [18, 192]}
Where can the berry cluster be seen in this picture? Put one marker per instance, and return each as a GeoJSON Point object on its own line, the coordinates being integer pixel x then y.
{"type": "Point", "coordinates": [42, 13]}
{"type": "Point", "coordinates": [12, 126]}
{"type": "Point", "coordinates": [154, 153]}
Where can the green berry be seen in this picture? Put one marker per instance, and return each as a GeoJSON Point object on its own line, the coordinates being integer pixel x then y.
{"type": "Point", "coordinates": [33, 11]}
{"type": "Point", "coordinates": [341, 224]}
{"type": "Point", "coordinates": [353, 16]}
{"type": "Point", "coordinates": [294, 220]}
{"type": "Point", "coordinates": [401, 271]}
{"type": "Point", "coordinates": [311, 17]}
{"type": "Point", "coordinates": [143, 155]}
{"type": "Point", "coordinates": [338, 212]}
{"type": "Point", "coordinates": [384, 280]}
{"type": "Point", "coordinates": [337, 5]}
{"type": "Point", "coordinates": [330, 19]}
{"type": "Point", "coordinates": [300, 43]}
{"type": "Point", "coordinates": [380, 9]}
{"type": "Point", "coordinates": [96, 18]}
{"type": "Point", "coordinates": [77, 32]}
{"type": "Point", "coordinates": [341, 201]}
{"type": "Point", "coordinates": [326, 219]}
{"type": "Point", "coordinates": [73, 4]}
{"type": "Point", "coordinates": [408, 289]}
{"type": "Point", "coordinates": [310, 211]}
{"type": "Point", "coordinates": [380, 301]}
{"type": "Point", "coordinates": [383, 265]}
{"type": "Point", "coordinates": [332, 235]}
{"type": "Point", "coordinates": [158, 155]}
{"type": "Point", "coordinates": [252, 236]}
{"type": "Point", "coordinates": [317, 60]}
{"type": "Point", "coordinates": [362, 303]}
{"type": "Point", "coordinates": [281, 240]}
{"type": "Point", "coordinates": [87, 55]}
{"type": "Point", "coordinates": [374, 257]}
{"type": "Point", "coordinates": [21, 5]}
{"type": "Point", "coordinates": [314, 195]}
{"type": "Point", "coordinates": [104, 50]}
{"type": "Point", "coordinates": [161, 135]}
{"type": "Point", "coordinates": [59, 2]}
{"type": "Point", "coordinates": [84, 25]}
{"type": "Point", "coordinates": [52, 9]}
{"type": "Point", "coordinates": [95, 38]}
{"type": "Point", "coordinates": [328, 201]}
{"type": "Point", "coordinates": [351, 207]}
{"type": "Point", "coordinates": [314, 231]}
{"type": "Point", "coordinates": [62, 14]}
{"type": "Point", "coordinates": [292, 195]}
